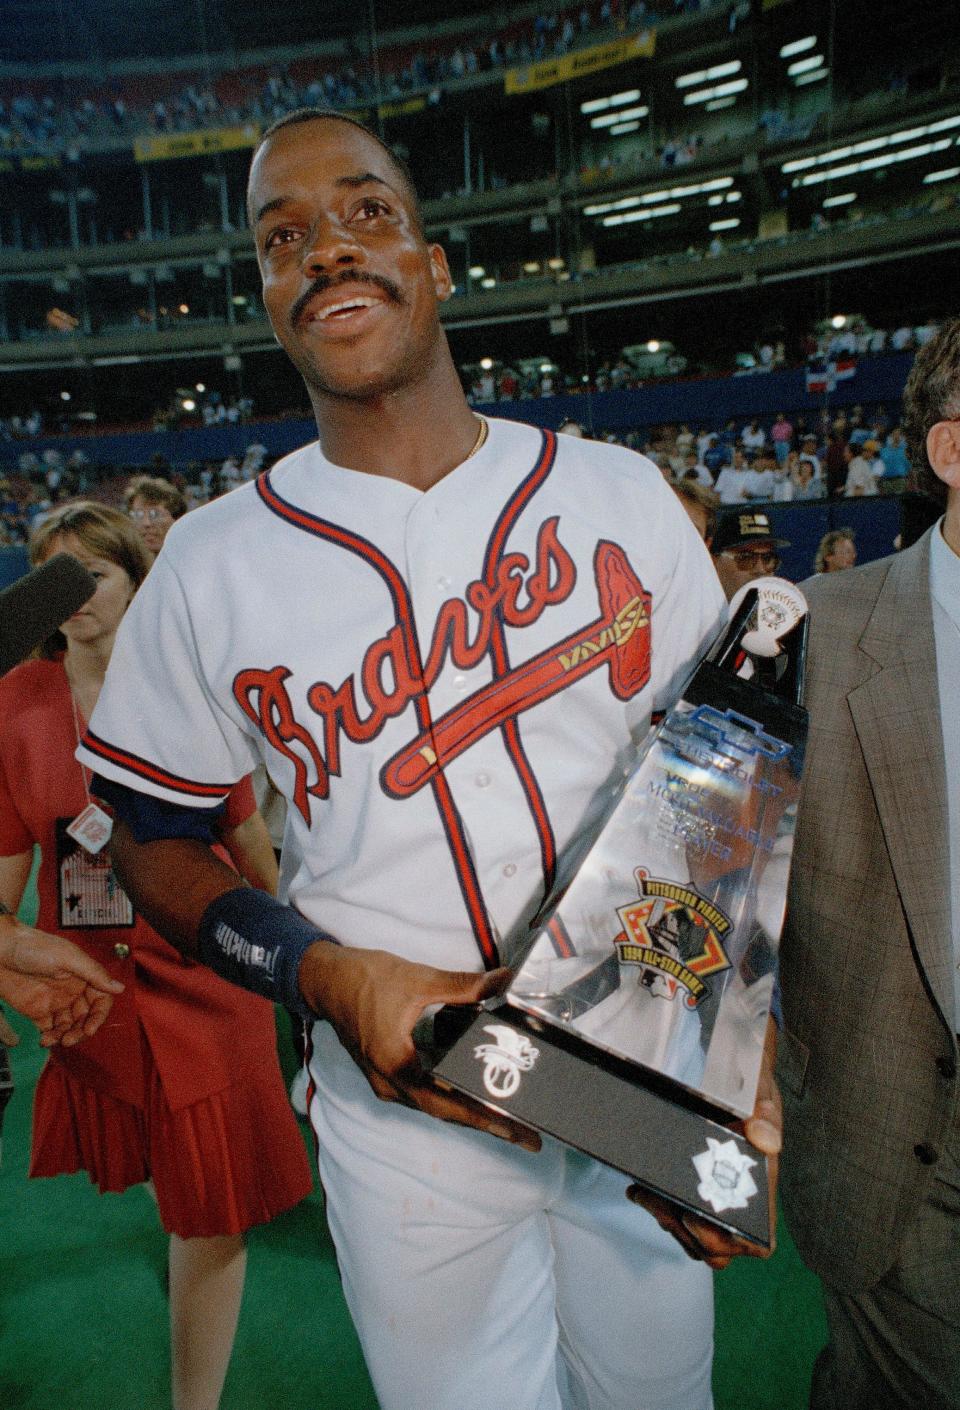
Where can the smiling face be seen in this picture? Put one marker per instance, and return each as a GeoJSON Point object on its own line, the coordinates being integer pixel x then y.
{"type": "Point", "coordinates": [349, 283]}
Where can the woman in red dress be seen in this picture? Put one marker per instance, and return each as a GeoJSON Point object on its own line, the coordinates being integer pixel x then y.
{"type": "Point", "coordinates": [181, 1086]}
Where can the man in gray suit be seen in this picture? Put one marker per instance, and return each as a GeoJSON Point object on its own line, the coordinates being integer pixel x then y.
{"type": "Point", "coordinates": [870, 1173]}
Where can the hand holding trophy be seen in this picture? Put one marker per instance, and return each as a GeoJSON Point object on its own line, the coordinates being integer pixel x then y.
{"type": "Point", "coordinates": [634, 1025]}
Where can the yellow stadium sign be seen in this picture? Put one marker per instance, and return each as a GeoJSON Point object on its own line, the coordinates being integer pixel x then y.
{"type": "Point", "coordinates": [195, 144]}
{"type": "Point", "coordinates": [401, 109]}
{"type": "Point", "coordinates": [580, 63]}
{"type": "Point", "coordinates": [39, 163]}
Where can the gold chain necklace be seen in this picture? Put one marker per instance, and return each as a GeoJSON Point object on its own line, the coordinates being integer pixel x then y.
{"type": "Point", "coordinates": [481, 436]}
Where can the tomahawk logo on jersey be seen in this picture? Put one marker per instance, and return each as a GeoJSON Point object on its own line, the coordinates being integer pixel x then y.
{"type": "Point", "coordinates": [442, 684]}
{"type": "Point", "coordinates": [392, 677]}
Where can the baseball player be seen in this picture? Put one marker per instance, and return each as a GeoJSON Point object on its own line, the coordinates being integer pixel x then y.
{"type": "Point", "coordinates": [413, 624]}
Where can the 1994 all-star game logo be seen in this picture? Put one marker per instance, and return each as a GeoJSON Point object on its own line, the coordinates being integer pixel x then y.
{"type": "Point", "coordinates": [675, 936]}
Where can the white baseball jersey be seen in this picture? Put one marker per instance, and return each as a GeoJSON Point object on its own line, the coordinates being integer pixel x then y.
{"type": "Point", "coordinates": [445, 686]}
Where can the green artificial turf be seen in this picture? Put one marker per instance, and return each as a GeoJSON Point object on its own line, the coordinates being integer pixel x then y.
{"type": "Point", "coordinates": [83, 1311]}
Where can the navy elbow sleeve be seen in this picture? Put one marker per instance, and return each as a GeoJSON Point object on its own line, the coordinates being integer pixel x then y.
{"type": "Point", "coordinates": [152, 819]}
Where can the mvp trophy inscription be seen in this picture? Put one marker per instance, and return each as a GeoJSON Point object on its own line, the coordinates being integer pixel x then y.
{"type": "Point", "coordinates": [634, 1025]}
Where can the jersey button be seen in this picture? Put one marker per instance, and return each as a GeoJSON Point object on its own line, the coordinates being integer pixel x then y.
{"type": "Point", "coordinates": [926, 1154]}
{"type": "Point", "coordinates": [482, 779]}
{"type": "Point", "coordinates": [121, 951]}
{"type": "Point", "coordinates": [510, 869]}
{"type": "Point", "coordinates": [946, 1067]}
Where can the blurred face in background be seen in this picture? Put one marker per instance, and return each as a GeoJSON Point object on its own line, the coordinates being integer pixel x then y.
{"type": "Point", "coordinates": [96, 622]}
{"type": "Point", "coordinates": [842, 555]}
{"type": "Point", "coordinates": [745, 562]}
{"type": "Point", "coordinates": [152, 521]}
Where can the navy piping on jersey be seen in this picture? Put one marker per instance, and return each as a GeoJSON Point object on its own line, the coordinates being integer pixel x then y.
{"type": "Point", "coordinates": [152, 772]}
{"type": "Point", "coordinates": [403, 609]}
{"type": "Point", "coordinates": [510, 729]}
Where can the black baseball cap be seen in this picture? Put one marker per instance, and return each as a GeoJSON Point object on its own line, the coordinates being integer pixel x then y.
{"type": "Point", "coordinates": [741, 526]}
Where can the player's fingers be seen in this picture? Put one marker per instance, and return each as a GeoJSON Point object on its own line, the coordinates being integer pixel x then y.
{"type": "Point", "coordinates": [383, 1088]}
{"type": "Point", "coordinates": [420, 1094]}
{"type": "Point", "coordinates": [763, 1129]}
{"type": "Point", "coordinates": [699, 1240]}
{"type": "Point", "coordinates": [462, 986]}
{"type": "Point", "coordinates": [463, 1111]}
{"type": "Point", "coordinates": [718, 1248]}
{"type": "Point", "coordinates": [494, 981]}
{"type": "Point", "coordinates": [667, 1216]}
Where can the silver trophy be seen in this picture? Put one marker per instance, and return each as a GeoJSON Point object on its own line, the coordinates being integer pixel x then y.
{"type": "Point", "coordinates": [634, 1025]}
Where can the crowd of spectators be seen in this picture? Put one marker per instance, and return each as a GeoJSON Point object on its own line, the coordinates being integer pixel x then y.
{"type": "Point", "coordinates": [839, 453]}
{"type": "Point", "coordinates": [493, 381]}
{"type": "Point", "coordinates": [40, 484]}
{"type": "Point", "coordinates": [45, 119]}
{"type": "Point", "coordinates": [51, 118]}
{"type": "Point", "coordinates": [21, 426]}
{"type": "Point", "coordinates": [784, 459]}
{"type": "Point", "coordinates": [842, 454]}
{"type": "Point", "coordinates": [206, 407]}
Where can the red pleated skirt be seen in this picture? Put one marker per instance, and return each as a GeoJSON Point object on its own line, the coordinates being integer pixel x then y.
{"type": "Point", "coordinates": [219, 1166]}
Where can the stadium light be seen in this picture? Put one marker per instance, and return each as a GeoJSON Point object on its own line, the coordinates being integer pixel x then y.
{"type": "Point", "coordinates": [725, 224]}
{"type": "Point", "coordinates": [798, 46]}
{"type": "Point", "coordinates": [815, 61]}
{"type": "Point", "coordinates": [703, 95]}
{"type": "Point", "coordinates": [924, 149]}
{"type": "Point", "coordinates": [946, 173]}
{"type": "Point", "coordinates": [872, 144]}
{"type": "Point", "coordinates": [648, 213]}
{"type": "Point", "coordinates": [615, 100]}
{"type": "Point", "coordinates": [608, 119]}
{"type": "Point", "coordinates": [687, 80]}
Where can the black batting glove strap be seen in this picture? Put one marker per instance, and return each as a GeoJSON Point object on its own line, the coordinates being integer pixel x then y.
{"type": "Point", "coordinates": [249, 938]}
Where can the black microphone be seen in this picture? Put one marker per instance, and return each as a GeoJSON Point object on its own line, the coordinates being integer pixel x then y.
{"type": "Point", "coordinates": [32, 608]}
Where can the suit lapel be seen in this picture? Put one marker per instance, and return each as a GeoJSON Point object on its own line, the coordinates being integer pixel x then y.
{"type": "Point", "coordinates": [896, 713]}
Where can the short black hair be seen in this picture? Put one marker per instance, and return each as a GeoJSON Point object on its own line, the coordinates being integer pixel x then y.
{"type": "Point", "coordinates": [932, 394]}
{"type": "Point", "coordinates": [298, 116]}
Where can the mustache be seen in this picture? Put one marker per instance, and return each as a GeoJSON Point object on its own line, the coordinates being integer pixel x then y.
{"type": "Point", "coordinates": [323, 282]}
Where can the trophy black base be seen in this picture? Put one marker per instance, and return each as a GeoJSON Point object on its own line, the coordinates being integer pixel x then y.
{"type": "Point", "coordinates": [637, 1121]}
